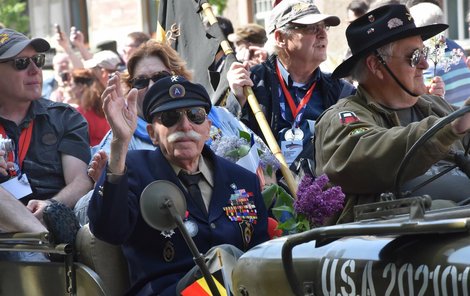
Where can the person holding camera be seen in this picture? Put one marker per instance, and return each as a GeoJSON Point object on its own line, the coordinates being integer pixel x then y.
{"type": "Point", "coordinates": [50, 153]}
{"type": "Point", "coordinates": [248, 41]}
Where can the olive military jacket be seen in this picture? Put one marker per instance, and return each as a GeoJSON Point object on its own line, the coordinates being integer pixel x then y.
{"type": "Point", "coordinates": [360, 145]}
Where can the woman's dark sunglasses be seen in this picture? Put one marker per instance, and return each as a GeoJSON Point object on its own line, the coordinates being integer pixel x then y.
{"type": "Point", "coordinates": [196, 115]}
{"type": "Point", "coordinates": [83, 80]}
{"type": "Point", "coordinates": [21, 64]}
{"type": "Point", "coordinates": [143, 82]}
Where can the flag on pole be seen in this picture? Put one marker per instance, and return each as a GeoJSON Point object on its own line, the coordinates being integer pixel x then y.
{"type": "Point", "coordinates": [188, 37]}
{"type": "Point", "coordinates": [200, 288]}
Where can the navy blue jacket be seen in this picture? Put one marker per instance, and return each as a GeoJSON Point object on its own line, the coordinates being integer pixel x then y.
{"type": "Point", "coordinates": [115, 218]}
{"type": "Point", "coordinates": [266, 86]}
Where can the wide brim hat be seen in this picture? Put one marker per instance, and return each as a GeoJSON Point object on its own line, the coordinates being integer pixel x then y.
{"type": "Point", "coordinates": [13, 42]}
{"type": "Point", "coordinates": [379, 27]}
{"type": "Point", "coordinates": [298, 12]}
{"type": "Point", "coordinates": [174, 92]}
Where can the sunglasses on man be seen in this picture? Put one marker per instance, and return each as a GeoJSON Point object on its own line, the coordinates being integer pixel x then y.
{"type": "Point", "coordinates": [143, 82]}
{"type": "Point", "coordinates": [196, 115]}
{"type": "Point", "coordinates": [416, 56]}
{"type": "Point", "coordinates": [21, 64]}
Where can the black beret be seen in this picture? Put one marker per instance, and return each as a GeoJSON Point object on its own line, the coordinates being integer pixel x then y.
{"type": "Point", "coordinates": [174, 92]}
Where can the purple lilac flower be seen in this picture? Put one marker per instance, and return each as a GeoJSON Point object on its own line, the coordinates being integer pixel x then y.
{"type": "Point", "coordinates": [223, 145]}
{"type": "Point", "coordinates": [268, 159]}
{"type": "Point", "coordinates": [314, 203]}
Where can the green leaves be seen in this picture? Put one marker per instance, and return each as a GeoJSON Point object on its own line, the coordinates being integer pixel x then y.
{"type": "Point", "coordinates": [219, 4]}
{"type": "Point", "coordinates": [239, 152]}
{"type": "Point", "coordinates": [13, 15]}
{"type": "Point", "coordinates": [282, 207]}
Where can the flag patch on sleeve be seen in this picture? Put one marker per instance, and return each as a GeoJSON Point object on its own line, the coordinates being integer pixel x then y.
{"type": "Point", "coordinates": [347, 117]}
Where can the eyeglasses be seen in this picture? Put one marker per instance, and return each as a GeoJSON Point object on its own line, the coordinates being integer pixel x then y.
{"type": "Point", "coordinates": [416, 56]}
{"type": "Point", "coordinates": [143, 82]}
{"type": "Point", "coordinates": [21, 64]}
{"type": "Point", "coordinates": [196, 115]}
{"type": "Point", "coordinates": [308, 29]}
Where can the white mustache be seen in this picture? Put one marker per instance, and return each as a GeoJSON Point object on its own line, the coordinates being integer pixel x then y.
{"type": "Point", "coordinates": [181, 135]}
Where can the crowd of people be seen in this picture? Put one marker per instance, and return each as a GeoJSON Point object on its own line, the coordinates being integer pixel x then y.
{"type": "Point", "coordinates": [105, 126]}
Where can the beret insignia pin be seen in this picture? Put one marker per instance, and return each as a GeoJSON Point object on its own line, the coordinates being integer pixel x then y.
{"type": "Point", "coordinates": [394, 23]}
{"type": "Point", "coordinates": [177, 91]}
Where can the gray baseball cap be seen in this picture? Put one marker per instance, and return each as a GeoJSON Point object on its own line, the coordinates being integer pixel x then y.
{"type": "Point", "coordinates": [299, 12]}
{"type": "Point", "coordinates": [12, 43]}
{"type": "Point", "coordinates": [106, 59]}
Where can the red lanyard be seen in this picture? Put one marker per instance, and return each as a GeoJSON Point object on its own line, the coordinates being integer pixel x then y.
{"type": "Point", "coordinates": [25, 140]}
{"type": "Point", "coordinates": [295, 110]}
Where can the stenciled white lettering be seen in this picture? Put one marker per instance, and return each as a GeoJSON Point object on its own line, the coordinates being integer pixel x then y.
{"type": "Point", "coordinates": [352, 277]}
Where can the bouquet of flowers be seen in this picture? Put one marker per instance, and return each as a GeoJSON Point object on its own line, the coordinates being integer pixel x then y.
{"type": "Point", "coordinates": [246, 150]}
{"type": "Point", "coordinates": [314, 204]}
{"type": "Point", "coordinates": [437, 53]}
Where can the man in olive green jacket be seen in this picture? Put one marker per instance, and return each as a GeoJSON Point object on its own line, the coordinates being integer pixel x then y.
{"type": "Point", "coordinates": [361, 141]}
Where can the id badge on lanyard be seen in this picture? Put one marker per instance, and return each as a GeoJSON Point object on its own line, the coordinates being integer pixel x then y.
{"type": "Point", "coordinates": [292, 144]}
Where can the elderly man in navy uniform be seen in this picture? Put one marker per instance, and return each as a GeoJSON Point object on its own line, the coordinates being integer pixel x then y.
{"type": "Point", "coordinates": [176, 110]}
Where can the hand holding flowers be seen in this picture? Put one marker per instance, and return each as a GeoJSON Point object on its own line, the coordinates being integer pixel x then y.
{"type": "Point", "coordinates": [438, 56]}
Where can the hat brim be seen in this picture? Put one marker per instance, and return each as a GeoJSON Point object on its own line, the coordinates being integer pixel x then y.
{"type": "Point", "coordinates": [330, 20]}
{"type": "Point", "coordinates": [180, 103]}
{"type": "Point", "coordinates": [39, 45]}
{"type": "Point", "coordinates": [426, 32]}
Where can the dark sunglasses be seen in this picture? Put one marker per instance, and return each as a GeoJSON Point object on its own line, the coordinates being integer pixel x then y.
{"type": "Point", "coordinates": [143, 82]}
{"type": "Point", "coordinates": [82, 80]}
{"type": "Point", "coordinates": [196, 115]}
{"type": "Point", "coordinates": [417, 55]}
{"type": "Point", "coordinates": [22, 63]}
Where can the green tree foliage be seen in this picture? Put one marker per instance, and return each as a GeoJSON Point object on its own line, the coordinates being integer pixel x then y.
{"type": "Point", "coordinates": [219, 4]}
{"type": "Point", "coordinates": [13, 15]}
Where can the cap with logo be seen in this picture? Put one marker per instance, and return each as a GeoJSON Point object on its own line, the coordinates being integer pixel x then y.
{"type": "Point", "coordinates": [13, 42]}
{"type": "Point", "coordinates": [298, 12]}
{"type": "Point", "coordinates": [174, 92]}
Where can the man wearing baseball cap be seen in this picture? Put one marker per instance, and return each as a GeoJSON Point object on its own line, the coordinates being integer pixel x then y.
{"type": "Point", "coordinates": [290, 87]}
{"type": "Point", "coordinates": [103, 63]}
{"type": "Point", "coordinates": [51, 151]}
{"type": "Point", "coordinates": [361, 141]}
{"type": "Point", "coordinates": [176, 110]}
{"type": "Point", "coordinates": [248, 41]}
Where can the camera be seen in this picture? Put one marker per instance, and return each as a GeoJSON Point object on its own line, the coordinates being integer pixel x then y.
{"type": "Point", "coordinates": [6, 145]}
{"type": "Point", "coordinates": [65, 76]}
